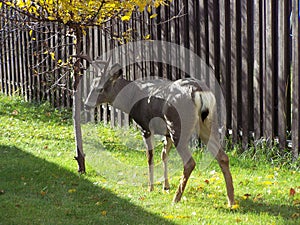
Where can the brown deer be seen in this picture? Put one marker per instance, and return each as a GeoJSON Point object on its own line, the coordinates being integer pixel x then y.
{"type": "Point", "coordinates": [173, 109]}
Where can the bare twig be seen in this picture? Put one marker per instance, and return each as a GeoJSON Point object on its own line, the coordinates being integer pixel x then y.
{"type": "Point", "coordinates": [57, 81]}
{"type": "Point", "coordinates": [179, 15]}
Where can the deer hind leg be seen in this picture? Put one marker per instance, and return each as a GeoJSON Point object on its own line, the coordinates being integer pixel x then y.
{"type": "Point", "coordinates": [223, 161]}
{"type": "Point", "coordinates": [209, 136]}
{"type": "Point", "coordinates": [148, 139]}
{"type": "Point", "coordinates": [164, 158]}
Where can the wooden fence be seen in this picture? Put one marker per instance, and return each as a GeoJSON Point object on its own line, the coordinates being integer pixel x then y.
{"type": "Point", "coordinates": [252, 46]}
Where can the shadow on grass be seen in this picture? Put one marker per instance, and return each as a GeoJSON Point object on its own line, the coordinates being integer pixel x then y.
{"type": "Point", "coordinates": [35, 191]}
{"type": "Point", "coordinates": [287, 212]}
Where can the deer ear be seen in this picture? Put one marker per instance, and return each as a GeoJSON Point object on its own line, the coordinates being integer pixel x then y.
{"type": "Point", "coordinates": [116, 71]}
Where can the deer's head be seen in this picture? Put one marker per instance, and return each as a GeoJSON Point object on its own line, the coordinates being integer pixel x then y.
{"type": "Point", "coordinates": [102, 89]}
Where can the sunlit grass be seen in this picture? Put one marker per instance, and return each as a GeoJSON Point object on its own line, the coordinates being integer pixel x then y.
{"type": "Point", "coordinates": [39, 183]}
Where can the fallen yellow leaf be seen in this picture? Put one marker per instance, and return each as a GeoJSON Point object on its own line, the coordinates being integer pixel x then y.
{"type": "Point", "coordinates": [182, 217]}
{"type": "Point", "coordinates": [169, 217]}
{"type": "Point", "coordinates": [267, 183]}
{"type": "Point", "coordinates": [211, 195]}
{"type": "Point", "coordinates": [235, 206]}
{"type": "Point", "coordinates": [72, 190]}
{"type": "Point", "coordinates": [104, 213]}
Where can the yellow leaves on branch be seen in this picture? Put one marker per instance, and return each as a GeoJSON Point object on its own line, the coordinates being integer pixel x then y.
{"type": "Point", "coordinates": [147, 37]}
{"type": "Point", "coordinates": [153, 16]}
{"type": "Point", "coordinates": [52, 54]}
{"type": "Point", "coordinates": [127, 16]}
{"type": "Point", "coordinates": [86, 13]}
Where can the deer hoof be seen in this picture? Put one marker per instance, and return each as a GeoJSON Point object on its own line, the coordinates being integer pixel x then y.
{"type": "Point", "coordinates": [166, 186]}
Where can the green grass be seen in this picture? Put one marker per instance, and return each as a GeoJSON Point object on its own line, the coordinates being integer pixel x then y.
{"type": "Point", "coordinates": [39, 183]}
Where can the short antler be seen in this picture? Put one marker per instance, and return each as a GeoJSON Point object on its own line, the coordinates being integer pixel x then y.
{"type": "Point", "coordinates": [106, 63]}
{"type": "Point", "coordinates": [95, 63]}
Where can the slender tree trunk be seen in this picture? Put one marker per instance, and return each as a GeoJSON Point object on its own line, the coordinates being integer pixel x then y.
{"type": "Point", "coordinates": [80, 156]}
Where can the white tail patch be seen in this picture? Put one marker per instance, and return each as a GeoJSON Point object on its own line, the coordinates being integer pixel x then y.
{"type": "Point", "coordinates": [204, 99]}
{"type": "Point", "coordinates": [208, 100]}
{"type": "Point", "coordinates": [197, 100]}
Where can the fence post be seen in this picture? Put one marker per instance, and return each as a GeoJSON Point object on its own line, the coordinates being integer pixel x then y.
{"type": "Point", "coordinates": [227, 61]}
{"type": "Point", "coordinates": [268, 71]}
{"type": "Point", "coordinates": [283, 69]}
{"type": "Point", "coordinates": [257, 65]}
{"type": "Point", "coordinates": [234, 70]}
{"type": "Point", "coordinates": [245, 75]}
{"type": "Point", "coordinates": [296, 81]}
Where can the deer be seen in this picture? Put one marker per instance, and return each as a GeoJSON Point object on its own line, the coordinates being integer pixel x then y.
{"type": "Point", "coordinates": [174, 109]}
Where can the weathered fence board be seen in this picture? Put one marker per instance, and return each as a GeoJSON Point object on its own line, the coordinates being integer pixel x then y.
{"type": "Point", "coordinates": [283, 69]}
{"type": "Point", "coordinates": [268, 74]}
{"type": "Point", "coordinates": [257, 65]}
{"type": "Point", "coordinates": [243, 73]}
{"type": "Point", "coordinates": [296, 79]}
{"type": "Point", "coordinates": [227, 61]}
{"type": "Point", "coordinates": [234, 74]}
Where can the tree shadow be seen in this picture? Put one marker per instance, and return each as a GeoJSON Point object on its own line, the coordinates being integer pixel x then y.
{"type": "Point", "coordinates": [35, 191]}
{"type": "Point", "coordinates": [287, 212]}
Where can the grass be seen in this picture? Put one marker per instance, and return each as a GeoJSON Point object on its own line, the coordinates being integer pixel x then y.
{"type": "Point", "coordinates": [39, 183]}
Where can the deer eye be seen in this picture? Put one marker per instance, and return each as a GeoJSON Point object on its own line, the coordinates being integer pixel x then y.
{"type": "Point", "coordinates": [101, 90]}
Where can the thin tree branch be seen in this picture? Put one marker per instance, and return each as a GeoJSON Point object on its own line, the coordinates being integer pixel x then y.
{"type": "Point", "coordinates": [179, 15]}
{"type": "Point", "coordinates": [97, 13]}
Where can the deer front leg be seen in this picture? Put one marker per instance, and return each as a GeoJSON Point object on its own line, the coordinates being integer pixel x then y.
{"type": "Point", "coordinates": [164, 158]}
{"type": "Point", "coordinates": [149, 154]}
{"type": "Point", "coordinates": [148, 139]}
